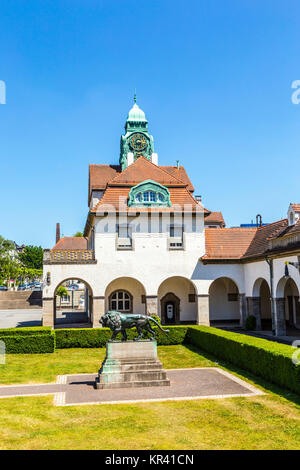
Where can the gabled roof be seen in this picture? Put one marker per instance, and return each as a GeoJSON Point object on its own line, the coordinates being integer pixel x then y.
{"type": "Point", "coordinates": [180, 174]}
{"type": "Point", "coordinates": [228, 243]}
{"type": "Point", "coordinates": [289, 230]}
{"type": "Point", "coordinates": [71, 243]}
{"type": "Point", "coordinates": [115, 198]}
{"type": "Point", "coordinates": [296, 207]}
{"type": "Point", "coordinates": [142, 169]}
{"type": "Point", "coordinates": [260, 243]}
{"type": "Point", "coordinates": [215, 218]}
{"type": "Point", "coordinates": [100, 175]}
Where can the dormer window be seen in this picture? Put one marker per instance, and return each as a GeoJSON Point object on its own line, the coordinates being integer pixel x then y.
{"type": "Point", "coordinates": [149, 193]}
{"type": "Point", "coordinates": [292, 218]}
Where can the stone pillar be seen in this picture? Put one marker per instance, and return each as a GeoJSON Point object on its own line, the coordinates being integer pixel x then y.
{"type": "Point", "coordinates": [243, 310]}
{"type": "Point", "coordinates": [98, 310]}
{"type": "Point", "coordinates": [151, 305]}
{"type": "Point", "coordinates": [48, 311]}
{"type": "Point", "coordinates": [203, 310]}
{"type": "Point", "coordinates": [280, 323]}
{"type": "Point", "coordinates": [256, 311]}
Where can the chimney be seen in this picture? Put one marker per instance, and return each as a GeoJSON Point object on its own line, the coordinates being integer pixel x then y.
{"type": "Point", "coordinates": [57, 232]}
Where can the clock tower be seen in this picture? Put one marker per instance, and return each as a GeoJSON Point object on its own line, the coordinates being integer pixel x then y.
{"type": "Point", "coordinates": [136, 141]}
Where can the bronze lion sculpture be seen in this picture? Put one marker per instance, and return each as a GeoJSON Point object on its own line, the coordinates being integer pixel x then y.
{"type": "Point", "coordinates": [120, 322]}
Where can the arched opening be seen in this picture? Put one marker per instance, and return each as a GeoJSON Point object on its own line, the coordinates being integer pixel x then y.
{"type": "Point", "coordinates": [224, 305]}
{"type": "Point", "coordinates": [177, 301]}
{"type": "Point", "coordinates": [292, 306]}
{"type": "Point", "coordinates": [73, 303]}
{"type": "Point", "coordinates": [126, 295]}
{"type": "Point", "coordinates": [261, 304]}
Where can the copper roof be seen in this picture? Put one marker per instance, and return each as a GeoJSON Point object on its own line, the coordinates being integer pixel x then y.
{"type": "Point", "coordinates": [71, 243]}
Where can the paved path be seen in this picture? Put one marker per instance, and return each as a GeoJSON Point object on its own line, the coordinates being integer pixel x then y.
{"type": "Point", "coordinates": [186, 384]}
{"type": "Point", "coordinates": [26, 317]}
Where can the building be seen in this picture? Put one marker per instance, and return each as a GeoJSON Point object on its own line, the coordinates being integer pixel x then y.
{"type": "Point", "coordinates": [150, 246]}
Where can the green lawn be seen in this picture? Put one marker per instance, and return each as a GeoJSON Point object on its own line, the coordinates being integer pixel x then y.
{"type": "Point", "coordinates": [270, 421]}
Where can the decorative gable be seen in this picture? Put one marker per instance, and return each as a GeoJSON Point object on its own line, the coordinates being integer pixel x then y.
{"type": "Point", "coordinates": [149, 193]}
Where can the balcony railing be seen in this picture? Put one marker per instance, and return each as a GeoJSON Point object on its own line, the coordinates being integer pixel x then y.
{"type": "Point", "coordinates": [69, 257]}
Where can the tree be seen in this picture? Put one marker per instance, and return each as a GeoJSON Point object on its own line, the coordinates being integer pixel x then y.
{"type": "Point", "coordinates": [8, 263]}
{"type": "Point", "coordinates": [61, 292]}
{"type": "Point", "coordinates": [78, 234]}
{"type": "Point", "coordinates": [32, 257]}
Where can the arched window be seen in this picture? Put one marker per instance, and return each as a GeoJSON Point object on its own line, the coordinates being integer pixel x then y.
{"type": "Point", "coordinates": [149, 193]}
{"type": "Point", "coordinates": [121, 301]}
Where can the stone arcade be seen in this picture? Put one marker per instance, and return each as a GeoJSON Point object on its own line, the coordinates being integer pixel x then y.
{"type": "Point", "coordinates": [151, 247]}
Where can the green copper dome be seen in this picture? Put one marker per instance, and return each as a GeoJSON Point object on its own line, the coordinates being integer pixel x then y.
{"type": "Point", "coordinates": [136, 114]}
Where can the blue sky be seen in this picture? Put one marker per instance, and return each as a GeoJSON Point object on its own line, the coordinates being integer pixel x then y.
{"type": "Point", "coordinates": [214, 78]}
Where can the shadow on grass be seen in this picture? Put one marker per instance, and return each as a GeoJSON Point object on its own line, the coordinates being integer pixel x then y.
{"type": "Point", "coordinates": [266, 385]}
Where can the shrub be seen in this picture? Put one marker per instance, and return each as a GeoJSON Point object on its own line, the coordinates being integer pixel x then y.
{"type": "Point", "coordinates": [156, 318]}
{"type": "Point", "coordinates": [264, 358]}
{"type": "Point", "coordinates": [250, 322]}
{"type": "Point", "coordinates": [97, 337]}
{"type": "Point", "coordinates": [27, 331]}
{"type": "Point", "coordinates": [29, 344]}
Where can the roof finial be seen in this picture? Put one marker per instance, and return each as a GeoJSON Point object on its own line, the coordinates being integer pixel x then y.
{"type": "Point", "coordinates": [134, 95]}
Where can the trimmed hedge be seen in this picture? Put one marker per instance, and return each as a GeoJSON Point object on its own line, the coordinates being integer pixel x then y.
{"type": "Point", "coordinates": [97, 337]}
{"type": "Point", "coordinates": [33, 330]}
{"type": "Point", "coordinates": [29, 344]}
{"type": "Point", "coordinates": [262, 357]}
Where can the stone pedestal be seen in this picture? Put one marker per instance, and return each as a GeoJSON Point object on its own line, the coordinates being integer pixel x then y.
{"type": "Point", "coordinates": [131, 364]}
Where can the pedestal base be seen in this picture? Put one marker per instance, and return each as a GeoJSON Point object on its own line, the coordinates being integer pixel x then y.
{"type": "Point", "coordinates": [131, 364]}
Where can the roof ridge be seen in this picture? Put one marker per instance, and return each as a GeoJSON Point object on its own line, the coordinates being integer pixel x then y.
{"type": "Point", "coordinates": [144, 159]}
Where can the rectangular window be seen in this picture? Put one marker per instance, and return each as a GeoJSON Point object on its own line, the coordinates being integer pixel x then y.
{"type": "Point", "coordinates": [176, 237]}
{"type": "Point", "coordinates": [124, 237]}
{"type": "Point", "coordinates": [65, 299]}
{"type": "Point", "coordinates": [232, 297]}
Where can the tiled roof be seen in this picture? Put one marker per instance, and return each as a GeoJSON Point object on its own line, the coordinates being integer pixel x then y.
{"type": "Point", "coordinates": [142, 169]}
{"type": "Point", "coordinates": [215, 218]}
{"type": "Point", "coordinates": [288, 230]}
{"type": "Point", "coordinates": [260, 243]}
{"type": "Point", "coordinates": [100, 175]}
{"type": "Point", "coordinates": [228, 243]}
{"type": "Point", "coordinates": [116, 198]}
{"type": "Point", "coordinates": [296, 207]}
{"type": "Point", "coordinates": [71, 243]}
{"type": "Point", "coordinates": [180, 174]}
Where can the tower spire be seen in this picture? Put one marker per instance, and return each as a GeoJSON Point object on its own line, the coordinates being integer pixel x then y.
{"type": "Point", "coordinates": [134, 95]}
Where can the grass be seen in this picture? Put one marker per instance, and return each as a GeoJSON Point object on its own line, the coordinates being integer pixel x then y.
{"type": "Point", "coordinates": [270, 421]}
{"type": "Point", "coordinates": [43, 368]}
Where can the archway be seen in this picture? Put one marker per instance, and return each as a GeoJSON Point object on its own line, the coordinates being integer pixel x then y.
{"type": "Point", "coordinates": [292, 306]}
{"type": "Point", "coordinates": [224, 305]}
{"type": "Point", "coordinates": [261, 304]}
{"type": "Point", "coordinates": [73, 302]}
{"type": "Point", "coordinates": [126, 295]}
{"type": "Point", "coordinates": [177, 301]}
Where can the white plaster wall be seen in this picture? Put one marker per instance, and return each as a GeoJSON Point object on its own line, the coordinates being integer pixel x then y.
{"type": "Point", "coordinates": [219, 306]}
{"type": "Point", "coordinates": [260, 269]}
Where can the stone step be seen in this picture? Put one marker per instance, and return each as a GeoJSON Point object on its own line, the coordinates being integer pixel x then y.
{"type": "Point", "coordinates": [149, 383]}
{"type": "Point", "coordinates": [132, 376]}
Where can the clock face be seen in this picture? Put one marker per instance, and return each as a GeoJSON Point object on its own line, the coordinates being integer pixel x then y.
{"type": "Point", "coordinates": [138, 142]}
